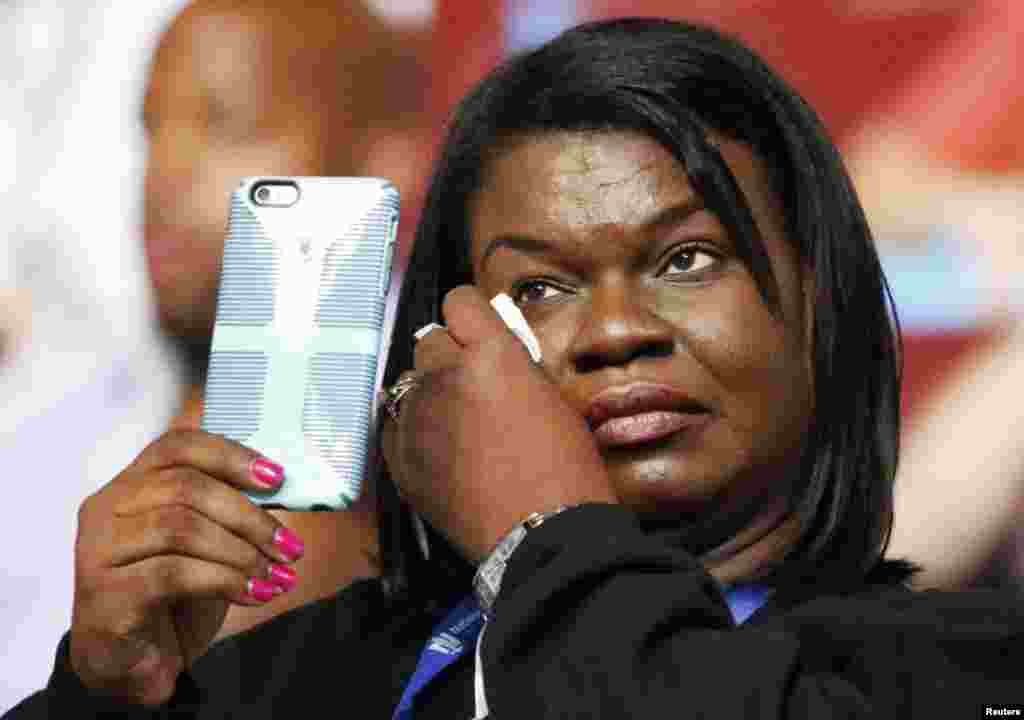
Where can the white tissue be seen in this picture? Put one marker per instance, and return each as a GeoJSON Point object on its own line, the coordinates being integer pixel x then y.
{"type": "Point", "coordinates": [513, 317]}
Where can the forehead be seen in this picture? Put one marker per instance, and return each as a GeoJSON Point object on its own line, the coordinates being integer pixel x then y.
{"type": "Point", "coordinates": [590, 172]}
{"type": "Point", "coordinates": [224, 54]}
{"type": "Point", "coordinates": [227, 48]}
{"type": "Point", "coordinates": [588, 179]}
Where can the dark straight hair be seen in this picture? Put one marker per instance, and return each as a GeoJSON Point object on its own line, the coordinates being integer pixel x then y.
{"type": "Point", "coordinates": [675, 82]}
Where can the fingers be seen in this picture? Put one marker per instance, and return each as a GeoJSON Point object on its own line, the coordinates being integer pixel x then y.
{"type": "Point", "coordinates": [435, 350]}
{"type": "Point", "coordinates": [182, 496]}
{"type": "Point", "coordinates": [471, 319]}
{"type": "Point", "coordinates": [158, 579]}
{"type": "Point", "coordinates": [173, 526]}
{"type": "Point", "coordinates": [216, 456]}
{"type": "Point", "coordinates": [182, 531]}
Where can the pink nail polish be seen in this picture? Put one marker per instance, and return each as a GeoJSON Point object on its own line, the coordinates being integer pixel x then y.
{"type": "Point", "coordinates": [266, 472]}
{"type": "Point", "coordinates": [283, 576]}
{"type": "Point", "coordinates": [261, 590]}
{"type": "Point", "coordinates": [289, 543]}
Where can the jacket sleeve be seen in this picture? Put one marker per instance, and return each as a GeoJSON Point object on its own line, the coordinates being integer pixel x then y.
{"type": "Point", "coordinates": [66, 697]}
{"type": "Point", "coordinates": [597, 619]}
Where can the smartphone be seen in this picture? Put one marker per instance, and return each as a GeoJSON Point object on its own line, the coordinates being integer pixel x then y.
{"type": "Point", "coordinates": [301, 338]}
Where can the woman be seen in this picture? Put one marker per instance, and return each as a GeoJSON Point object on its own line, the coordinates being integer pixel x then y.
{"type": "Point", "coordinates": [683, 506]}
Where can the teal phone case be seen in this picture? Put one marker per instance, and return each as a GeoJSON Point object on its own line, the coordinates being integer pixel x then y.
{"type": "Point", "coordinates": [300, 339]}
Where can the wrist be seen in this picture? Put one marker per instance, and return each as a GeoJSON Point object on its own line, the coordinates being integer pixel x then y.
{"type": "Point", "coordinates": [489, 574]}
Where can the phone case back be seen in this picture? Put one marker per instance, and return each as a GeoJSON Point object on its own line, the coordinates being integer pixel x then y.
{"type": "Point", "coordinates": [298, 334]}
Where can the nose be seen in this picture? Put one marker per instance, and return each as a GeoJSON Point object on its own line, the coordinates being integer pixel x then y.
{"type": "Point", "coordinates": [621, 325]}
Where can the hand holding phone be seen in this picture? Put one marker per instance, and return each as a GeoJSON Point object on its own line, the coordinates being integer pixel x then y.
{"type": "Point", "coordinates": [163, 550]}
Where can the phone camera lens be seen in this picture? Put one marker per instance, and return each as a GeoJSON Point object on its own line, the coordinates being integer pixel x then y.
{"type": "Point", "coordinates": [263, 194]}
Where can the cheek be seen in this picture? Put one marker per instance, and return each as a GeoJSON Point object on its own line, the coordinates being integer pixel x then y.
{"type": "Point", "coordinates": [555, 330]}
{"type": "Point", "coordinates": [756, 362]}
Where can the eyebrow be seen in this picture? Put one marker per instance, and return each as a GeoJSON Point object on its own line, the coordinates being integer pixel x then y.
{"type": "Point", "coordinates": [672, 215]}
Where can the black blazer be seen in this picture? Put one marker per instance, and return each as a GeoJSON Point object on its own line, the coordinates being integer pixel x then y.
{"type": "Point", "coordinates": [618, 626]}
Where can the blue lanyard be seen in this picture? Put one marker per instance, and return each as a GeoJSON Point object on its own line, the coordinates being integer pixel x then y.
{"type": "Point", "coordinates": [459, 629]}
{"type": "Point", "coordinates": [745, 600]}
{"type": "Point", "coordinates": [448, 641]}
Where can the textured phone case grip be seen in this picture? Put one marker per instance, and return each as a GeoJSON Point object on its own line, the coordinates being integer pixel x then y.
{"type": "Point", "coordinates": [298, 334]}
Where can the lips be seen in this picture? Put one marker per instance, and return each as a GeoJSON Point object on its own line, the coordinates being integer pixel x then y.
{"type": "Point", "coordinates": [642, 412]}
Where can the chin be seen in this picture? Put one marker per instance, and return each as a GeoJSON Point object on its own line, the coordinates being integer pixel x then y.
{"type": "Point", "coordinates": [665, 484]}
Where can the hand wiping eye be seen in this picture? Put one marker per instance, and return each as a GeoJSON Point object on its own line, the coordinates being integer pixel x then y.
{"type": "Point", "coordinates": [513, 317]}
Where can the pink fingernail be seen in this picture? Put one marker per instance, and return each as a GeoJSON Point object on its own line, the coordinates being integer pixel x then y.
{"type": "Point", "coordinates": [266, 472]}
{"type": "Point", "coordinates": [261, 590]}
{"type": "Point", "coordinates": [289, 543]}
{"type": "Point", "coordinates": [283, 576]}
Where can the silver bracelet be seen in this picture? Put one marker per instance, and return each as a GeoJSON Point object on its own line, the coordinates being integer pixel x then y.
{"type": "Point", "coordinates": [487, 580]}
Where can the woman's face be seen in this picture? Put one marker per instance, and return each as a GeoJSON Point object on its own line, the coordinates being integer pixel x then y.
{"type": "Point", "coordinates": [636, 293]}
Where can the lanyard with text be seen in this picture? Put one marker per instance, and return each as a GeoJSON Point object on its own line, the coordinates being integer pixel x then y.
{"type": "Point", "coordinates": [460, 628]}
{"type": "Point", "coordinates": [448, 641]}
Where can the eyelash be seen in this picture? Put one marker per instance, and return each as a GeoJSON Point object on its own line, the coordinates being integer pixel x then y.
{"type": "Point", "coordinates": [519, 287]}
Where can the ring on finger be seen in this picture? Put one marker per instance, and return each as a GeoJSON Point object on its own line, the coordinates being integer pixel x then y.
{"type": "Point", "coordinates": [392, 396]}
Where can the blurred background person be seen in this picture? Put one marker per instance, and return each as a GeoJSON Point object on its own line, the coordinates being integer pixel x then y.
{"type": "Point", "coordinates": [85, 379]}
{"type": "Point", "coordinates": [266, 87]}
{"type": "Point", "coordinates": [233, 89]}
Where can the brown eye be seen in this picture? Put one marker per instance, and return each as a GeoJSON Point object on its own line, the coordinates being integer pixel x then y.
{"type": "Point", "coordinates": [533, 291]}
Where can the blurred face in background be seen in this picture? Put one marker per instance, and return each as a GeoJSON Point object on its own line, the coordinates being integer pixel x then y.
{"type": "Point", "coordinates": [248, 90]}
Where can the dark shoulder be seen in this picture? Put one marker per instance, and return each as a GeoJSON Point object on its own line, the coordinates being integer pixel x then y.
{"type": "Point", "coordinates": [333, 617]}
{"type": "Point", "coordinates": [359, 610]}
{"type": "Point", "coordinates": [894, 602]}
{"type": "Point", "coordinates": [303, 650]}
{"type": "Point", "coordinates": [930, 649]}
{"type": "Point", "coordinates": [880, 619]}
